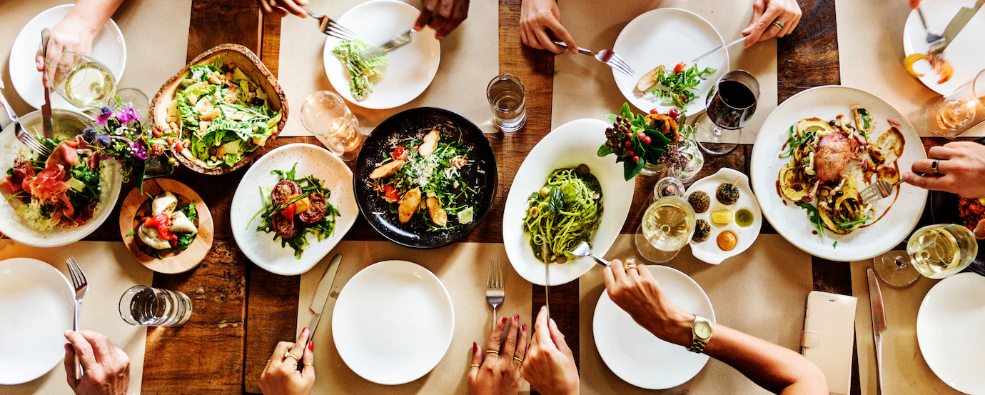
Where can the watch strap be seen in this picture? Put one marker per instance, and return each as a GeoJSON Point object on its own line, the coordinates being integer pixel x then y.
{"type": "Point", "coordinates": [697, 345]}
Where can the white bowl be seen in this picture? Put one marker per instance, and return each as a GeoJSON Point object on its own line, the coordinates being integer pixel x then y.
{"type": "Point", "coordinates": [708, 250]}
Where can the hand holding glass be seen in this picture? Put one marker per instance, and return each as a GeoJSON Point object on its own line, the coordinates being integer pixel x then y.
{"type": "Point", "coordinates": [82, 81]}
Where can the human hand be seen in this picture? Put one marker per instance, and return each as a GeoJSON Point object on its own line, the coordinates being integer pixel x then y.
{"type": "Point", "coordinates": [442, 15]}
{"type": "Point", "coordinates": [638, 293]}
{"type": "Point", "coordinates": [765, 16]}
{"type": "Point", "coordinates": [281, 375]}
{"type": "Point", "coordinates": [549, 366]}
{"type": "Point", "coordinates": [961, 167]}
{"type": "Point", "coordinates": [106, 368]}
{"type": "Point", "coordinates": [283, 7]}
{"type": "Point", "coordinates": [71, 34]}
{"type": "Point", "coordinates": [499, 373]}
{"type": "Point", "coordinates": [538, 20]}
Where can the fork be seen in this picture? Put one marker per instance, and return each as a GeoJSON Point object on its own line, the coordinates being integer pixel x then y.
{"type": "Point", "coordinates": [495, 287]}
{"type": "Point", "coordinates": [605, 56]}
{"type": "Point", "coordinates": [878, 190]}
{"type": "Point", "coordinates": [332, 28]}
{"type": "Point", "coordinates": [22, 135]}
{"type": "Point", "coordinates": [81, 285]}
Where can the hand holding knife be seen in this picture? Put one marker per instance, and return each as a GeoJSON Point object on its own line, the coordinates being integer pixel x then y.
{"type": "Point", "coordinates": [323, 302]}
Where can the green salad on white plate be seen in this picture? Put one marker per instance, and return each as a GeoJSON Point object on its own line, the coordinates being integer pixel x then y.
{"type": "Point", "coordinates": [363, 73]}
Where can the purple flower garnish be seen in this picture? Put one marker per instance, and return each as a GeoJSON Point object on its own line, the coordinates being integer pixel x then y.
{"type": "Point", "coordinates": [103, 118]}
{"type": "Point", "coordinates": [140, 150]}
{"type": "Point", "coordinates": [126, 115]}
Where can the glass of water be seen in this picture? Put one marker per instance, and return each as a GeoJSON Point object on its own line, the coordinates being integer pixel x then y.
{"type": "Point", "coordinates": [147, 306]}
{"type": "Point", "coordinates": [84, 82]}
{"type": "Point", "coordinates": [327, 117]}
{"type": "Point", "coordinates": [506, 96]}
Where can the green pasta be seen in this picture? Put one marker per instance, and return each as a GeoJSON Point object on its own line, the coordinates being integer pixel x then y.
{"type": "Point", "coordinates": [562, 214]}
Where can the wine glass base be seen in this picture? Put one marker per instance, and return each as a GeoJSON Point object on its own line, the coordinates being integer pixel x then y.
{"type": "Point", "coordinates": [714, 143]}
{"type": "Point", "coordinates": [648, 253]}
{"type": "Point", "coordinates": [894, 268]}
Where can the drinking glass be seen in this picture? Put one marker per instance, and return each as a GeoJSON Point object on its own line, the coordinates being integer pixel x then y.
{"type": "Point", "coordinates": [327, 117]}
{"type": "Point", "coordinates": [147, 306]}
{"type": "Point", "coordinates": [667, 224]}
{"type": "Point", "coordinates": [934, 251]}
{"type": "Point", "coordinates": [954, 114]}
{"type": "Point", "coordinates": [135, 99]}
{"type": "Point", "coordinates": [730, 105]}
{"type": "Point", "coordinates": [82, 81]}
{"type": "Point", "coordinates": [506, 96]}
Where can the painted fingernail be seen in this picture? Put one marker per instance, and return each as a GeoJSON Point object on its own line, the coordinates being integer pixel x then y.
{"type": "Point", "coordinates": [311, 345]}
{"type": "Point", "coordinates": [305, 330]}
{"type": "Point", "coordinates": [503, 320]}
{"type": "Point", "coordinates": [516, 317]}
{"type": "Point", "coordinates": [524, 327]}
{"type": "Point", "coordinates": [475, 347]}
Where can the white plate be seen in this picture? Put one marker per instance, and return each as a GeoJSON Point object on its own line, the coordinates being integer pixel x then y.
{"type": "Point", "coordinates": [108, 48]}
{"type": "Point", "coordinates": [260, 246]}
{"type": "Point", "coordinates": [949, 331]}
{"type": "Point", "coordinates": [668, 36]}
{"type": "Point", "coordinates": [569, 145]}
{"type": "Point", "coordinates": [12, 225]}
{"type": "Point", "coordinates": [791, 221]}
{"type": "Point", "coordinates": [965, 53]}
{"type": "Point", "coordinates": [393, 322]}
{"type": "Point", "coordinates": [411, 67]}
{"type": "Point", "coordinates": [708, 250]}
{"type": "Point", "coordinates": [37, 305]}
{"type": "Point", "coordinates": [633, 353]}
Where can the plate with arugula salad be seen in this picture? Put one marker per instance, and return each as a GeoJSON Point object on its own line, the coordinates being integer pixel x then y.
{"type": "Point", "coordinates": [658, 44]}
{"type": "Point", "coordinates": [389, 80]}
{"type": "Point", "coordinates": [425, 178]}
{"type": "Point", "coordinates": [292, 207]}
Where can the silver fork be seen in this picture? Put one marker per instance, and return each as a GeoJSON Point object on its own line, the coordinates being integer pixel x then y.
{"type": "Point", "coordinates": [605, 56]}
{"type": "Point", "coordinates": [81, 285]}
{"type": "Point", "coordinates": [932, 37]}
{"type": "Point", "coordinates": [332, 28]}
{"type": "Point", "coordinates": [878, 190]}
{"type": "Point", "coordinates": [22, 135]}
{"type": "Point", "coordinates": [495, 287]}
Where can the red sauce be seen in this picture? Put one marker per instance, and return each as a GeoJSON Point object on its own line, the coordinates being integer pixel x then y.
{"type": "Point", "coordinates": [163, 224]}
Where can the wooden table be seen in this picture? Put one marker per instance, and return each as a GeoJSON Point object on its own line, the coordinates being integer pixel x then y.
{"type": "Point", "coordinates": [242, 311]}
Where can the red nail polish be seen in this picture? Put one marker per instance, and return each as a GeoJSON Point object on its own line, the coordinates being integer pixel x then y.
{"type": "Point", "coordinates": [503, 320]}
{"type": "Point", "coordinates": [475, 347]}
{"type": "Point", "coordinates": [305, 330]}
{"type": "Point", "coordinates": [524, 327]}
{"type": "Point", "coordinates": [516, 317]}
{"type": "Point", "coordinates": [311, 345]}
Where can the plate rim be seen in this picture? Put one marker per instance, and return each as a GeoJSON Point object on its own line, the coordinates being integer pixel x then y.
{"type": "Point", "coordinates": [921, 313]}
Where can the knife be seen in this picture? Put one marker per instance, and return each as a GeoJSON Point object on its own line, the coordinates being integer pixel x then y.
{"type": "Point", "coordinates": [878, 321]}
{"type": "Point", "coordinates": [46, 125]}
{"type": "Point", "coordinates": [954, 27]}
{"type": "Point", "coordinates": [322, 302]}
{"type": "Point", "coordinates": [394, 43]}
{"type": "Point", "coordinates": [719, 48]}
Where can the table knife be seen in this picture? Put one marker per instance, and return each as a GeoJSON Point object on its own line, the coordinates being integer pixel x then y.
{"type": "Point", "coordinates": [954, 27]}
{"type": "Point", "coordinates": [719, 48]}
{"type": "Point", "coordinates": [394, 43]}
{"type": "Point", "coordinates": [46, 125]}
{"type": "Point", "coordinates": [878, 321]}
{"type": "Point", "coordinates": [323, 301]}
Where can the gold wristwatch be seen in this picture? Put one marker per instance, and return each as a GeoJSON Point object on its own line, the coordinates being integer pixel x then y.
{"type": "Point", "coordinates": [700, 334]}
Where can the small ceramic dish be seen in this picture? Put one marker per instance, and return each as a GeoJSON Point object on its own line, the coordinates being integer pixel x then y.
{"type": "Point", "coordinates": [709, 250]}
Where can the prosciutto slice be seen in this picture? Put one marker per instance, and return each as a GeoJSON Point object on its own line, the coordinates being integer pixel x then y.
{"type": "Point", "coordinates": [49, 186]}
{"type": "Point", "coordinates": [13, 183]}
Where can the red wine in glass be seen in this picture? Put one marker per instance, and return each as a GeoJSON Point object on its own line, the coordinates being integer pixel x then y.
{"type": "Point", "coordinates": [731, 104]}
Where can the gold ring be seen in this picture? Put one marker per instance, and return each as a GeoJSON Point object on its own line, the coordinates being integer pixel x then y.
{"type": "Point", "coordinates": [289, 355]}
{"type": "Point", "coordinates": [778, 24]}
{"type": "Point", "coordinates": [474, 365]}
{"type": "Point", "coordinates": [268, 361]}
{"type": "Point", "coordinates": [309, 364]}
{"type": "Point", "coordinates": [492, 351]}
{"type": "Point", "coordinates": [518, 359]}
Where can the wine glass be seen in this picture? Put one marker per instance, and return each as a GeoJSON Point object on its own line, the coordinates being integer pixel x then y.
{"type": "Point", "coordinates": [934, 251]}
{"type": "Point", "coordinates": [82, 81]}
{"type": "Point", "coordinates": [954, 114]}
{"type": "Point", "coordinates": [667, 224]}
{"type": "Point", "coordinates": [327, 117]}
{"type": "Point", "coordinates": [731, 103]}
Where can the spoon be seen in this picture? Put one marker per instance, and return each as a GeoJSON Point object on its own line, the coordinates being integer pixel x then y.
{"type": "Point", "coordinates": [583, 250]}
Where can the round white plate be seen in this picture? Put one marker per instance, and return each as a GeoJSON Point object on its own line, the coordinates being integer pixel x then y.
{"type": "Point", "coordinates": [13, 226]}
{"type": "Point", "coordinates": [633, 353]}
{"type": "Point", "coordinates": [260, 246]}
{"type": "Point", "coordinates": [37, 305]}
{"type": "Point", "coordinates": [393, 322]}
{"type": "Point", "coordinates": [411, 67]}
{"type": "Point", "coordinates": [708, 250]}
{"type": "Point", "coordinates": [791, 221]}
{"type": "Point", "coordinates": [668, 36]}
{"type": "Point", "coordinates": [965, 52]}
{"type": "Point", "coordinates": [949, 331]}
{"type": "Point", "coordinates": [569, 145]}
{"type": "Point", "coordinates": [108, 48]}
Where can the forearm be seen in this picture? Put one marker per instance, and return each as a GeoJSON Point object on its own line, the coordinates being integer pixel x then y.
{"type": "Point", "coordinates": [93, 13]}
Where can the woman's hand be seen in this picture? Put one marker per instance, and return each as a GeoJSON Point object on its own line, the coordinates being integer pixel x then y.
{"type": "Point", "coordinates": [106, 368]}
{"type": "Point", "coordinates": [499, 372]}
{"type": "Point", "coordinates": [638, 293]}
{"type": "Point", "coordinates": [539, 19]}
{"type": "Point", "coordinates": [961, 166]}
{"type": "Point", "coordinates": [281, 375]}
{"type": "Point", "coordinates": [549, 366]}
{"type": "Point", "coordinates": [442, 15]}
{"type": "Point", "coordinates": [71, 34]}
{"type": "Point", "coordinates": [283, 7]}
{"type": "Point", "coordinates": [771, 18]}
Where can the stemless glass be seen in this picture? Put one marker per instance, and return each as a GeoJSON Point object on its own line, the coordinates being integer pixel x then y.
{"type": "Point", "coordinates": [82, 81]}
{"type": "Point", "coordinates": [954, 114]}
{"type": "Point", "coordinates": [668, 223]}
{"type": "Point", "coordinates": [327, 117]}
{"type": "Point", "coordinates": [506, 97]}
{"type": "Point", "coordinates": [731, 103]}
{"type": "Point", "coordinates": [133, 98]}
{"type": "Point", "coordinates": [934, 251]}
{"type": "Point", "coordinates": [147, 306]}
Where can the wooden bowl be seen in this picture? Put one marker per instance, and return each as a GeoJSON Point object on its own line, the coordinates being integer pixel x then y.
{"type": "Point", "coordinates": [183, 261]}
{"type": "Point", "coordinates": [249, 64]}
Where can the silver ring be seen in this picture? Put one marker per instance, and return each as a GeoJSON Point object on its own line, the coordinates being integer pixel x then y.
{"type": "Point", "coordinates": [778, 24]}
{"type": "Point", "coordinates": [933, 166]}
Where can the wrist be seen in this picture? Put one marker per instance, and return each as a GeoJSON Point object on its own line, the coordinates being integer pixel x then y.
{"type": "Point", "coordinates": [674, 327]}
{"type": "Point", "coordinates": [84, 26]}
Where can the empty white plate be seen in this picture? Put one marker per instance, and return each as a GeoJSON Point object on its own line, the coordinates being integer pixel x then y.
{"type": "Point", "coordinates": [668, 36]}
{"type": "Point", "coordinates": [638, 357]}
{"type": "Point", "coordinates": [108, 47]}
{"type": "Point", "coordinates": [393, 322]}
{"type": "Point", "coordinates": [36, 305]}
{"type": "Point", "coordinates": [412, 66]}
{"type": "Point", "coordinates": [965, 53]}
{"type": "Point", "coordinates": [949, 331]}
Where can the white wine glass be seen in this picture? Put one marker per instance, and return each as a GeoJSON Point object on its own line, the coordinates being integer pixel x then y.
{"type": "Point", "coordinates": [954, 114]}
{"type": "Point", "coordinates": [327, 117]}
{"type": "Point", "coordinates": [667, 224]}
{"type": "Point", "coordinates": [81, 80]}
{"type": "Point", "coordinates": [933, 251]}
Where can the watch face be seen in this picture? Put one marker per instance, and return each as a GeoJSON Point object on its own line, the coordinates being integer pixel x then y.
{"type": "Point", "coordinates": [702, 329]}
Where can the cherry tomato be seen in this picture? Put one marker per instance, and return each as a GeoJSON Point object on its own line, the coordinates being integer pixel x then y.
{"type": "Point", "coordinates": [682, 97]}
{"type": "Point", "coordinates": [288, 212]}
{"type": "Point", "coordinates": [674, 113]}
{"type": "Point", "coordinates": [158, 133]}
{"type": "Point", "coordinates": [647, 139]}
{"type": "Point", "coordinates": [630, 153]}
{"type": "Point", "coordinates": [629, 144]}
{"type": "Point", "coordinates": [399, 153]}
{"type": "Point", "coordinates": [391, 193]}
{"type": "Point", "coordinates": [170, 140]}
{"type": "Point", "coordinates": [680, 67]}
{"type": "Point", "coordinates": [178, 147]}
{"type": "Point", "coordinates": [654, 111]}
{"type": "Point", "coordinates": [636, 159]}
